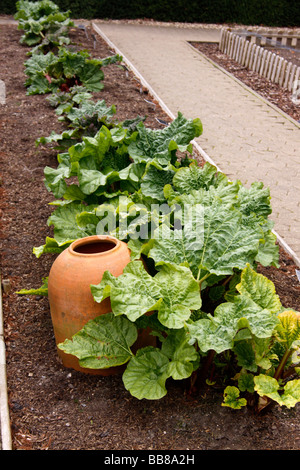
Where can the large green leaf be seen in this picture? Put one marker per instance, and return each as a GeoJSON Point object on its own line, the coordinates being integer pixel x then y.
{"type": "Point", "coordinates": [103, 342]}
{"type": "Point", "coordinates": [161, 145]}
{"type": "Point", "coordinates": [267, 386]}
{"type": "Point", "coordinates": [260, 289]}
{"type": "Point", "coordinates": [216, 243]}
{"type": "Point", "coordinates": [173, 292]}
{"type": "Point", "coordinates": [28, 9]}
{"type": "Point", "coordinates": [255, 199]}
{"type": "Point", "coordinates": [146, 374]}
{"type": "Point", "coordinates": [218, 332]}
{"type": "Point", "coordinates": [195, 177]}
{"type": "Point", "coordinates": [180, 295]}
{"type": "Point", "coordinates": [55, 179]}
{"type": "Point", "coordinates": [154, 180]}
{"type": "Point", "coordinates": [246, 312]}
{"type": "Point", "coordinates": [46, 72]}
{"type": "Point", "coordinates": [182, 355]}
{"type": "Point", "coordinates": [194, 185]}
{"type": "Point", "coordinates": [133, 293]}
{"type": "Point", "coordinates": [65, 225]}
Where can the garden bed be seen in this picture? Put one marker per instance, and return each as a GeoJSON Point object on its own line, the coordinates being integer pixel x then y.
{"type": "Point", "coordinates": [58, 409]}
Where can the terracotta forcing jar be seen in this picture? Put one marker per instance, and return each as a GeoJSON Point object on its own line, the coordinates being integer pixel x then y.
{"type": "Point", "coordinates": [71, 302]}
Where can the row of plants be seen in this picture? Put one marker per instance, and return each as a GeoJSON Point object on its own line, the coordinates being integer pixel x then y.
{"type": "Point", "coordinates": [196, 239]}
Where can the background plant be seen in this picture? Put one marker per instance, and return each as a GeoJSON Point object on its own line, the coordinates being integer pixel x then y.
{"type": "Point", "coordinates": [43, 23]}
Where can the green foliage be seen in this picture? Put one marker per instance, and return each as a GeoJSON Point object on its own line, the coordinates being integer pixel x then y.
{"type": "Point", "coordinates": [43, 23]}
{"type": "Point", "coordinates": [250, 327]}
{"type": "Point", "coordinates": [50, 72]}
{"type": "Point", "coordinates": [195, 237]}
{"type": "Point", "coordinates": [103, 342]}
{"type": "Point", "coordinates": [231, 398]}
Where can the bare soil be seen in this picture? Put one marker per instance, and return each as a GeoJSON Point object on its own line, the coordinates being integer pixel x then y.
{"type": "Point", "coordinates": [53, 408]}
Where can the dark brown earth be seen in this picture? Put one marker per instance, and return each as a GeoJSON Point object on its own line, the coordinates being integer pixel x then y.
{"type": "Point", "coordinates": [52, 408]}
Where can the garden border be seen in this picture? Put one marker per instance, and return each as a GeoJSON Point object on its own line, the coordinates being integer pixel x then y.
{"type": "Point", "coordinates": [6, 439]}
{"type": "Point", "coordinates": [4, 414]}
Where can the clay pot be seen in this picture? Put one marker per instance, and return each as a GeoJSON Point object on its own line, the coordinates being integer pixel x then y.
{"type": "Point", "coordinates": [71, 302]}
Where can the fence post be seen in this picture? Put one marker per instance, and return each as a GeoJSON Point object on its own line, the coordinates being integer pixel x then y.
{"type": "Point", "coordinates": [292, 77]}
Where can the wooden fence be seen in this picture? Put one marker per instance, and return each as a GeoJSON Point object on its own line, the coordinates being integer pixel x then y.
{"type": "Point", "coordinates": [248, 50]}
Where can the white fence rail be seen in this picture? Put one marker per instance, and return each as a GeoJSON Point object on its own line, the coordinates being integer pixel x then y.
{"type": "Point", "coordinates": [243, 48]}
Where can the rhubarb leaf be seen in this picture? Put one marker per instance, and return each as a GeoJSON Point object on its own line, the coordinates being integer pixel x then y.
{"type": "Point", "coordinates": [65, 225]}
{"type": "Point", "coordinates": [182, 355]}
{"type": "Point", "coordinates": [247, 313]}
{"type": "Point", "coordinates": [133, 293]}
{"type": "Point", "coordinates": [162, 145]}
{"type": "Point", "coordinates": [267, 386]}
{"type": "Point", "coordinates": [146, 374]}
{"type": "Point", "coordinates": [172, 292]}
{"type": "Point", "coordinates": [219, 243]}
{"type": "Point", "coordinates": [260, 289]}
{"type": "Point", "coordinates": [103, 342]}
{"type": "Point", "coordinates": [232, 398]}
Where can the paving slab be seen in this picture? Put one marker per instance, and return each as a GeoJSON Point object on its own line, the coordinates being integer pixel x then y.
{"type": "Point", "coordinates": [247, 137]}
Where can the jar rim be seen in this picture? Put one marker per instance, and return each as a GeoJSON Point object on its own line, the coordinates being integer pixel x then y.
{"type": "Point", "coordinates": [91, 240]}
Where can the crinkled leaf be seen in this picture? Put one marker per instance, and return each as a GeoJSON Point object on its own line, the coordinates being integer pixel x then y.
{"type": "Point", "coordinates": [219, 332]}
{"type": "Point", "coordinates": [260, 289]}
{"type": "Point", "coordinates": [173, 292]}
{"type": "Point", "coordinates": [180, 295]}
{"type": "Point", "coordinates": [231, 398]}
{"type": "Point", "coordinates": [89, 112]}
{"type": "Point", "coordinates": [267, 386]}
{"type": "Point", "coordinates": [268, 251]}
{"type": "Point", "coordinates": [182, 355]}
{"type": "Point", "coordinates": [194, 178]}
{"type": "Point", "coordinates": [65, 225]}
{"type": "Point", "coordinates": [219, 244]}
{"type": "Point", "coordinates": [255, 199]}
{"type": "Point", "coordinates": [289, 328]}
{"type": "Point", "coordinates": [161, 144]}
{"type": "Point", "coordinates": [133, 293]}
{"type": "Point", "coordinates": [154, 180]}
{"type": "Point", "coordinates": [103, 342]}
{"type": "Point", "coordinates": [146, 374]}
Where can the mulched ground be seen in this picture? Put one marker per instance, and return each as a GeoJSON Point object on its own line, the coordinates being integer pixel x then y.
{"type": "Point", "coordinates": [58, 409]}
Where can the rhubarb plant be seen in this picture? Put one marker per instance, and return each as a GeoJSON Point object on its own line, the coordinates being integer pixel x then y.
{"type": "Point", "coordinates": [106, 168]}
{"type": "Point", "coordinates": [43, 23]}
{"type": "Point", "coordinates": [52, 72]}
{"type": "Point", "coordinates": [195, 237]}
{"type": "Point", "coordinates": [260, 337]}
{"type": "Point", "coordinates": [83, 116]}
